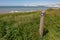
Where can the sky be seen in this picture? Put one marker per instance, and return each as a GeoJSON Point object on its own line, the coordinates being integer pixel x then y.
{"type": "Point", "coordinates": [27, 2]}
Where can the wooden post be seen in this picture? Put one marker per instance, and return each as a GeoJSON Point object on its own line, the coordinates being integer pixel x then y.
{"type": "Point", "coordinates": [42, 23]}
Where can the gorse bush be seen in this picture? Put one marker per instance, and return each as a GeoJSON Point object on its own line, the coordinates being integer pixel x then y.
{"type": "Point", "coordinates": [25, 26]}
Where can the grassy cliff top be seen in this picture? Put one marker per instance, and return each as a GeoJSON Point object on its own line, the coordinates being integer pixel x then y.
{"type": "Point", "coordinates": [25, 26]}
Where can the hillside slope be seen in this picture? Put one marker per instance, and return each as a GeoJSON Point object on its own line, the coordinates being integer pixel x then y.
{"type": "Point", "coordinates": [25, 26]}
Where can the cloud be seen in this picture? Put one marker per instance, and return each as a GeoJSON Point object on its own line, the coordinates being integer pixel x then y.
{"type": "Point", "coordinates": [31, 4]}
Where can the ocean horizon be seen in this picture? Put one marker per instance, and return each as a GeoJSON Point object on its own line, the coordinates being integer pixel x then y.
{"type": "Point", "coordinates": [7, 9]}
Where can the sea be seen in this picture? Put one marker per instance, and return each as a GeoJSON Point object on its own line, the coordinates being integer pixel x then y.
{"type": "Point", "coordinates": [8, 9]}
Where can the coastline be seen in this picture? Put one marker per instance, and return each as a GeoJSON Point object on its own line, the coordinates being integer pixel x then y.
{"type": "Point", "coordinates": [16, 11]}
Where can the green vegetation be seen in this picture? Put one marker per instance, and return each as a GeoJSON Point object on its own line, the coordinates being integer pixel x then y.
{"type": "Point", "coordinates": [25, 26]}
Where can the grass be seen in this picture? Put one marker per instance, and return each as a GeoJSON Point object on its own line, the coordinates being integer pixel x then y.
{"type": "Point", "coordinates": [25, 26]}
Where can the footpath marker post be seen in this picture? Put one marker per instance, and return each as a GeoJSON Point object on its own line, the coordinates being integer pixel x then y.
{"type": "Point", "coordinates": [41, 29]}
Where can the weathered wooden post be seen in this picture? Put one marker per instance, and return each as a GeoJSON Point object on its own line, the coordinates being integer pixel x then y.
{"type": "Point", "coordinates": [42, 23]}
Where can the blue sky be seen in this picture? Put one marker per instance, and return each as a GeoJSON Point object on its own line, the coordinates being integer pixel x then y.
{"type": "Point", "coordinates": [27, 2]}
